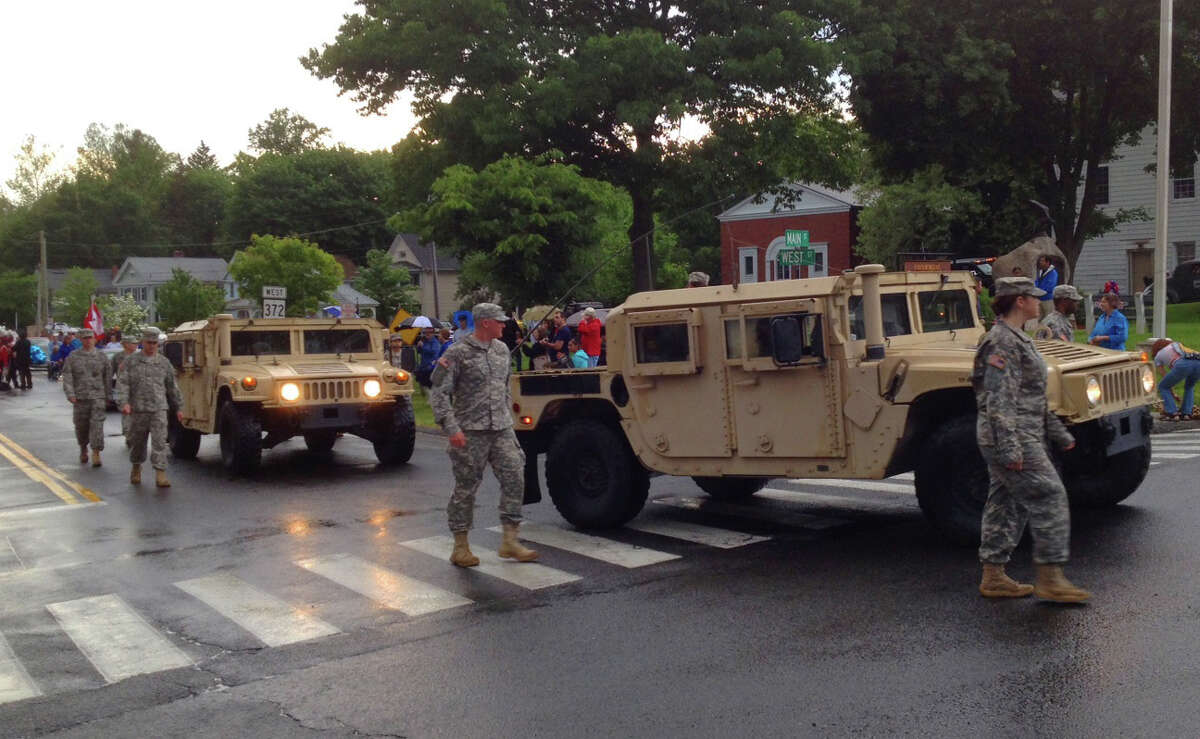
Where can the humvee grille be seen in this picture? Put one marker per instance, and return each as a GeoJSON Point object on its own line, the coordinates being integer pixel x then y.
{"type": "Point", "coordinates": [321, 369]}
{"type": "Point", "coordinates": [331, 389]}
{"type": "Point", "coordinates": [1064, 351]}
{"type": "Point", "coordinates": [1121, 384]}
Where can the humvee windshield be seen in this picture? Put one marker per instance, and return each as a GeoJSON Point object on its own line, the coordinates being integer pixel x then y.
{"type": "Point", "coordinates": [337, 341]}
{"type": "Point", "coordinates": [259, 343]}
{"type": "Point", "coordinates": [895, 316]}
{"type": "Point", "coordinates": [945, 310]}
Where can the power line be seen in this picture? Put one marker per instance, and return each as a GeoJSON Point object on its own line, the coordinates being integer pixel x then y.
{"type": "Point", "coordinates": [244, 242]}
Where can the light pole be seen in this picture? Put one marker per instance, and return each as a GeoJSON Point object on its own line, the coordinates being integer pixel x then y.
{"type": "Point", "coordinates": [1164, 169]}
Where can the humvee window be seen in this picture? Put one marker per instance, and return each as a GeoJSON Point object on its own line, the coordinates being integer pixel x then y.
{"type": "Point", "coordinates": [733, 339]}
{"type": "Point", "coordinates": [661, 343]}
{"type": "Point", "coordinates": [945, 310]}
{"type": "Point", "coordinates": [260, 343]}
{"type": "Point", "coordinates": [795, 338]}
{"type": "Point", "coordinates": [895, 316]}
{"type": "Point", "coordinates": [337, 341]}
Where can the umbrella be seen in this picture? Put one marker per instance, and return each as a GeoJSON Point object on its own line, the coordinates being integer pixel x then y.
{"type": "Point", "coordinates": [574, 319]}
{"type": "Point", "coordinates": [420, 322]}
{"type": "Point", "coordinates": [333, 311]}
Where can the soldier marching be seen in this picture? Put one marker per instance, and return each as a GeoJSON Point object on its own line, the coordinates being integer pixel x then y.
{"type": "Point", "coordinates": [86, 379]}
{"type": "Point", "coordinates": [146, 391]}
{"type": "Point", "coordinates": [1059, 324]}
{"type": "Point", "coordinates": [128, 347]}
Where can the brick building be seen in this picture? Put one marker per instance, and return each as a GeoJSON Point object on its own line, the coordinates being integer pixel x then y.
{"type": "Point", "coordinates": [752, 233]}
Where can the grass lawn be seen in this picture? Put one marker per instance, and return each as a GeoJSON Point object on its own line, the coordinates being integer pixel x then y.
{"type": "Point", "coordinates": [422, 410]}
{"type": "Point", "coordinates": [1183, 325]}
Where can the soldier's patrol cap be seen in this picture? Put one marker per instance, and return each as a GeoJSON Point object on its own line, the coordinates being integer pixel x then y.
{"type": "Point", "coordinates": [489, 311]}
{"type": "Point", "coordinates": [1017, 286]}
{"type": "Point", "coordinates": [395, 337]}
{"type": "Point", "coordinates": [86, 333]}
{"type": "Point", "coordinates": [128, 339]}
{"type": "Point", "coordinates": [1067, 292]}
{"type": "Point", "coordinates": [150, 334]}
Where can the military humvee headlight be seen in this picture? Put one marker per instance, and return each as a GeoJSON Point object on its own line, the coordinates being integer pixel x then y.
{"type": "Point", "coordinates": [1147, 379]}
{"type": "Point", "coordinates": [401, 376]}
{"type": "Point", "coordinates": [389, 374]}
{"type": "Point", "coordinates": [371, 388]}
{"type": "Point", "coordinates": [249, 383]}
{"type": "Point", "coordinates": [290, 391]}
{"type": "Point", "coordinates": [1093, 391]}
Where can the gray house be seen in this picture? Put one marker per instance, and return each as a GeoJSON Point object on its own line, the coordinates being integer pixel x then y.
{"type": "Point", "coordinates": [433, 271]}
{"type": "Point", "coordinates": [141, 276]}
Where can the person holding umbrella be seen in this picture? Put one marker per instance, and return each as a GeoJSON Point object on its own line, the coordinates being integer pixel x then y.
{"type": "Point", "coordinates": [429, 348]}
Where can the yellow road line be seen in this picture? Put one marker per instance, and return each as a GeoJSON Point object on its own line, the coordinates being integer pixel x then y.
{"type": "Point", "coordinates": [35, 474]}
{"type": "Point", "coordinates": [47, 469]}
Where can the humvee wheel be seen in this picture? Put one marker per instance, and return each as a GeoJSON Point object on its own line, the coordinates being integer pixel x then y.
{"type": "Point", "coordinates": [184, 442]}
{"type": "Point", "coordinates": [1111, 481]}
{"type": "Point", "coordinates": [952, 481]}
{"type": "Point", "coordinates": [593, 477]}
{"type": "Point", "coordinates": [731, 488]}
{"type": "Point", "coordinates": [396, 446]}
{"type": "Point", "coordinates": [320, 442]}
{"type": "Point", "coordinates": [241, 438]}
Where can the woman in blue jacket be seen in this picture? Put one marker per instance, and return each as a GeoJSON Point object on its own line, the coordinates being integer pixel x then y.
{"type": "Point", "coordinates": [1112, 328]}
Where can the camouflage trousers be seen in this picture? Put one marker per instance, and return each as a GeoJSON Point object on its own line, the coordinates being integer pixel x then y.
{"type": "Point", "coordinates": [154, 425]}
{"type": "Point", "coordinates": [1034, 495]}
{"type": "Point", "coordinates": [501, 450]}
{"type": "Point", "coordinates": [89, 422]}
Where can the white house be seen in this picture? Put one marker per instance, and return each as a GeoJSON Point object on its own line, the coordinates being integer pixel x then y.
{"type": "Point", "coordinates": [1127, 254]}
{"type": "Point", "coordinates": [435, 273]}
{"type": "Point", "coordinates": [141, 277]}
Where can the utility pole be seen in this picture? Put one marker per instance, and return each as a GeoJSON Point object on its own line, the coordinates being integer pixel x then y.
{"type": "Point", "coordinates": [1159, 329]}
{"type": "Point", "coordinates": [437, 310]}
{"type": "Point", "coordinates": [43, 306]}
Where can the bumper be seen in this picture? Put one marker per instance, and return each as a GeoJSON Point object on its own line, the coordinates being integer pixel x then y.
{"type": "Point", "coordinates": [1125, 430]}
{"type": "Point", "coordinates": [331, 417]}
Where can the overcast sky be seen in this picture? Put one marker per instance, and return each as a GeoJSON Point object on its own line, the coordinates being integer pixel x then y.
{"type": "Point", "coordinates": [181, 72]}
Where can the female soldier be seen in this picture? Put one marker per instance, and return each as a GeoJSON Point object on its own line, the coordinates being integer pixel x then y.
{"type": "Point", "coordinates": [1013, 424]}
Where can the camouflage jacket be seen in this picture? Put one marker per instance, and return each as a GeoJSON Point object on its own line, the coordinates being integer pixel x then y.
{"type": "Point", "coordinates": [470, 387]}
{"type": "Point", "coordinates": [117, 360]}
{"type": "Point", "coordinates": [1056, 326]}
{"type": "Point", "coordinates": [1010, 393]}
{"type": "Point", "coordinates": [148, 384]}
{"type": "Point", "coordinates": [86, 375]}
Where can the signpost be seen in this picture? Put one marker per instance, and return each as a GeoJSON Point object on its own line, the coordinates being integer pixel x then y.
{"type": "Point", "coordinates": [274, 301]}
{"type": "Point", "coordinates": [797, 257]}
{"type": "Point", "coordinates": [794, 239]}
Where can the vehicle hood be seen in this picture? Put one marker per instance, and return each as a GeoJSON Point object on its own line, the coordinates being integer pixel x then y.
{"type": "Point", "coordinates": [1058, 354]}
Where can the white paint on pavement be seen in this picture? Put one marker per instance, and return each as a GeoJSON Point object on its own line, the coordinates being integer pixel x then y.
{"type": "Point", "coordinates": [529, 575]}
{"type": "Point", "coordinates": [1172, 455]}
{"type": "Point", "coordinates": [694, 532]}
{"type": "Point", "coordinates": [773, 515]}
{"type": "Point", "coordinates": [387, 587]}
{"type": "Point", "coordinates": [605, 550]}
{"type": "Point", "coordinates": [872, 485]}
{"type": "Point", "coordinates": [15, 683]}
{"type": "Point", "coordinates": [115, 638]}
{"type": "Point", "coordinates": [269, 619]}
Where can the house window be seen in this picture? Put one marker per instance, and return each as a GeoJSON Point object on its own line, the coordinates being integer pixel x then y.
{"type": "Point", "coordinates": [138, 293]}
{"type": "Point", "coordinates": [1101, 178]}
{"type": "Point", "coordinates": [1183, 183]}
{"type": "Point", "coordinates": [748, 264]}
{"type": "Point", "coordinates": [1185, 251]}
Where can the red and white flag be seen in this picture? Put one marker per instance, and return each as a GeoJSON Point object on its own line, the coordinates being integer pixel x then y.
{"type": "Point", "coordinates": [94, 320]}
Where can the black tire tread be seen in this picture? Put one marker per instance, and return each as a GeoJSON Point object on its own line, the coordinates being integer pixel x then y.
{"type": "Point", "coordinates": [952, 480]}
{"type": "Point", "coordinates": [245, 442]}
{"type": "Point", "coordinates": [397, 446]}
{"type": "Point", "coordinates": [628, 483]}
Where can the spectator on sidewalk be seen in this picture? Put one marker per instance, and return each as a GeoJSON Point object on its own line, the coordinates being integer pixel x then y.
{"type": "Point", "coordinates": [579, 358]}
{"type": "Point", "coordinates": [1177, 364]}
{"type": "Point", "coordinates": [1112, 329]}
{"type": "Point", "coordinates": [589, 336]}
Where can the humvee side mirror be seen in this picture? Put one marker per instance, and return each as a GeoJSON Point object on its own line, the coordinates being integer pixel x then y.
{"type": "Point", "coordinates": [173, 351]}
{"type": "Point", "coordinates": [787, 340]}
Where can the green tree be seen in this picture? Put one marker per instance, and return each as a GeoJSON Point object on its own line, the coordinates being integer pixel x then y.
{"type": "Point", "coordinates": [34, 176]}
{"type": "Point", "coordinates": [608, 85]}
{"type": "Point", "coordinates": [202, 158]}
{"type": "Point", "coordinates": [525, 230]}
{"type": "Point", "coordinates": [390, 285]}
{"type": "Point", "coordinates": [125, 313]}
{"type": "Point", "coordinates": [18, 298]}
{"type": "Point", "coordinates": [73, 299]}
{"type": "Point", "coordinates": [309, 273]}
{"type": "Point", "coordinates": [286, 133]}
{"type": "Point", "coordinates": [184, 298]}
{"type": "Point", "coordinates": [195, 208]}
{"type": "Point", "coordinates": [1017, 100]}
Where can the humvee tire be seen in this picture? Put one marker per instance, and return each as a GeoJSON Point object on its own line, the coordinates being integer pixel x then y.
{"type": "Point", "coordinates": [241, 438]}
{"type": "Point", "coordinates": [320, 442]}
{"type": "Point", "coordinates": [593, 477]}
{"type": "Point", "coordinates": [731, 488]}
{"type": "Point", "coordinates": [952, 481]}
{"type": "Point", "coordinates": [396, 446]}
{"type": "Point", "coordinates": [184, 442]}
{"type": "Point", "coordinates": [1116, 479]}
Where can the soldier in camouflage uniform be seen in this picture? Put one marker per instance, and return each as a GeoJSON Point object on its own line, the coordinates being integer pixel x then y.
{"type": "Point", "coordinates": [128, 347]}
{"type": "Point", "coordinates": [146, 390]}
{"type": "Point", "coordinates": [1014, 423]}
{"type": "Point", "coordinates": [471, 401]}
{"type": "Point", "coordinates": [1060, 323]}
{"type": "Point", "coordinates": [85, 379]}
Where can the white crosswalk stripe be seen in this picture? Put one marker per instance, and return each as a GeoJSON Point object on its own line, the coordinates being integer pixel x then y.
{"type": "Point", "coordinates": [605, 550]}
{"type": "Point", "coordinates": [1175, 443]}
{"type": "Point", "coordinates": [773, 514]}
{"type": "Point", "coordinates": [695, 533]}
{"type": "Point", "coordinates": [1172, 455]}
{"type": "Point", "coordinates": [115, 638]}
{"type": "Point", "coordinates": [529, 575]}
{"type": "Point", "coordinates": [873, 485]}
{"type": "Point", "coordinates": [15, 683]}
{"type": "Point", "coordinates": [387, 587]}
{"type": "Point", "coordinates": [268, 618]}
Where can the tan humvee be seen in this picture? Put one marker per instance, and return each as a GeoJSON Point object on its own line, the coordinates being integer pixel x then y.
{"type": "Point", "coordinates": [864, 375]}
{"type": "Point", "coordinates": [287, 376]}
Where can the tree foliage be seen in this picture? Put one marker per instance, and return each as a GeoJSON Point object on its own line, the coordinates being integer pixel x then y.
{"type": "Point", "coordinates": [184, 298]}
{"type": "Point", "coordinates": [201, 158]}
{"type": "Point", "coordinates": [195, 206]}
{"type": "Point", "coordinates": [608, 85]}
{"type": "Point", "coordinates": [286, 133]}
{"type": "Point", "coordinates": [309, 273]}
{"type": "Point", "coordinates": [73, 299]}
{"type": "Point", "coordinates": [125, 313]}
{"type": "Point", "coordinates": [34, 176]}
{"type": "Point", "coordinates": [18, 298]}
{"type": "Point", "coordinates": [922, 214]}
{"type": "Point", "coordinates": [392, 286]}
{"type": "Point", "coordinates": [1017, 100]}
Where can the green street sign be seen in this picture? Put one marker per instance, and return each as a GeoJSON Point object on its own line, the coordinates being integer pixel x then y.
{"type": "Point", "coordinates": [797, 257]}
{"type": "Point", "coordinates": [793, 239]}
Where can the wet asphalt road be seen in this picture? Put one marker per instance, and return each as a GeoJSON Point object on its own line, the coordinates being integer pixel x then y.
{"type": "Point", "coordinates": [848, 617]}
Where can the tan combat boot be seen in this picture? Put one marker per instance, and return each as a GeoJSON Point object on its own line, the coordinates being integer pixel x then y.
{"type": "Point", "coordinates": [511, 547]}
{"type": "Point", "coordinates": [160, 479]}
{"type": "Point", "coordinates": [996, 584]}
{"type": "Point", "coordinates": [83, 454]}
{"type": "Point", "coordinates": [135, 475]}
{"type": "Point", "coordinates": [1053, 585]}
{"type": "Point", "coordinates": [95, 458]}
{"type": "Point", "coordinates": [462, 555]}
